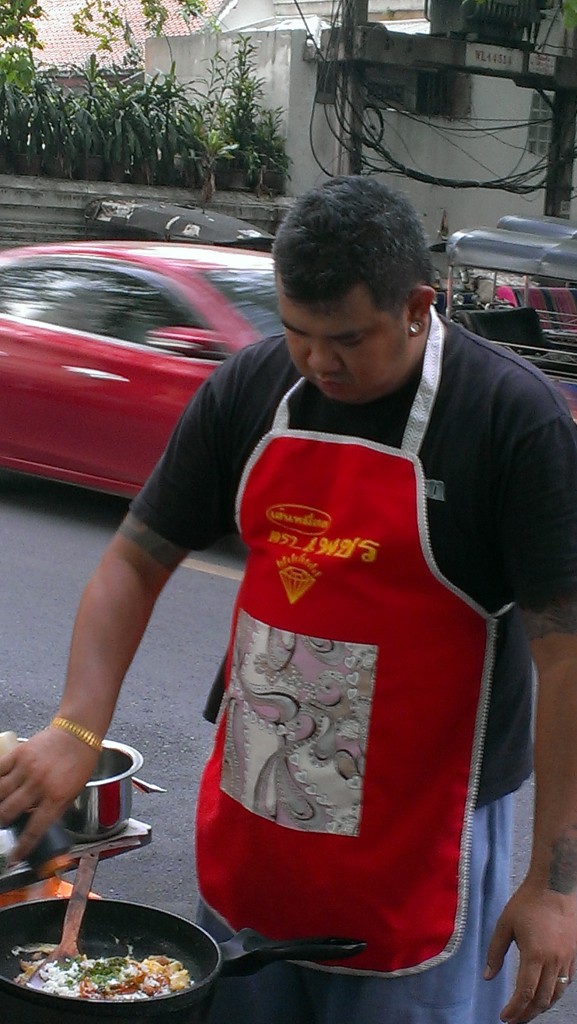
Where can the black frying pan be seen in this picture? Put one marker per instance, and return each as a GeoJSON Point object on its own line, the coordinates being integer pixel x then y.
{"type": "Point", "coordinates": [116, 928]}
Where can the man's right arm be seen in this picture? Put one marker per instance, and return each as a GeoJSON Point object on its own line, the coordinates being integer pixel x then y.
{"type": "Point", "coordinates": [45, 774]}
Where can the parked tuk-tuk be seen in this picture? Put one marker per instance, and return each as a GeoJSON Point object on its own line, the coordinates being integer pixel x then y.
{"type": "Point", "coordinates": [531, 303]}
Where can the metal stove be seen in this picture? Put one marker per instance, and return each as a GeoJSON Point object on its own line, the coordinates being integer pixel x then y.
{"type": "Point", "coordinates": [20, 884]}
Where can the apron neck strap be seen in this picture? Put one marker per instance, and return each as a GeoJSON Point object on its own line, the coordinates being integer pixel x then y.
{"type": "Point", "coordinates": [424, 399]}
{"type": "Point", "coordinates": [423, 402]}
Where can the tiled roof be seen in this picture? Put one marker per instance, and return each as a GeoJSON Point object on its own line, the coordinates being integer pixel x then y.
{"type": "Point", "coordinates": [63, 47]}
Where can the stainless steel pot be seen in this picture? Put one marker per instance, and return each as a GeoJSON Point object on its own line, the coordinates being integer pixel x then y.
{"type": "Point", "coordinates": [105, 804]}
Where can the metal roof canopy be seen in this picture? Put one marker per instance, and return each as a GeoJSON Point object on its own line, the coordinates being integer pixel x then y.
{"type": "Point", "coordinates": [514, 252]}
{"type": "Point", "coordinates": [497, 249]}
{"type": "Point", "coordinates": [551, 227]}
{"type": "Point", "coordinates": [561, 261]}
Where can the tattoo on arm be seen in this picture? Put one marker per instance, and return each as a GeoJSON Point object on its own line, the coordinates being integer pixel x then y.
{"type": "Point", "coordinates": [563, 872]}
{"type": "Point", "coordinates": [163, 551]}
{"type": "Point", "coordinates": [558, 617]}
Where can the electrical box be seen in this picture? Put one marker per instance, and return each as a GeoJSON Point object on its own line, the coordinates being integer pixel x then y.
{"type": "Point", "coordinates": [441, 93]}
{"type": "Point", "coordinates": [503, 22]}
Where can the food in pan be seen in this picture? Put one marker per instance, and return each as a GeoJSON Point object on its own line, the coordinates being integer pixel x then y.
{"type": "Point", "coordinates": [119, 978]}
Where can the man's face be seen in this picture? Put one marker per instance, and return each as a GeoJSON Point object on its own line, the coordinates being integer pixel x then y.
{"type": "Point", "coordinates": [351, 350]}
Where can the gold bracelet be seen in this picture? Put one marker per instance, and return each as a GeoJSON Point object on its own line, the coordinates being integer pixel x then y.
{"type": "Point", "coordinates": [88, 737]}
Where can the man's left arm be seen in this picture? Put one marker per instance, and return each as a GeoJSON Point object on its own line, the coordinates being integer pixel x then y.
{"type": "Point", "coordinates": [541, 916]}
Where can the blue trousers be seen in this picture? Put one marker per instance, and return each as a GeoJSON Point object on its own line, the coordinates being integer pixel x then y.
{"type": "Point", "coordinates": [454, 993]}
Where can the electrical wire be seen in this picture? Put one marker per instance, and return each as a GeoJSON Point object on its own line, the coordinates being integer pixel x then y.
{"type": "Point", "coordinates": [540, 45]}
{"type": "Point", "coordinates": [521, 183]}
{"type": "Point", "coordinates": [371, 138]}
{"type": "Point", "coordinates": [443, 133]}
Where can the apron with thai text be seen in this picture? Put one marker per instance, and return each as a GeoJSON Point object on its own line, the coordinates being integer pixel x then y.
{"type": "Point", "coordinates": [339, 794]}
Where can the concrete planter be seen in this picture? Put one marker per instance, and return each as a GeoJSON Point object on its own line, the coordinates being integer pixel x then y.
{"type": "Point", "coordinates": [41, 209]}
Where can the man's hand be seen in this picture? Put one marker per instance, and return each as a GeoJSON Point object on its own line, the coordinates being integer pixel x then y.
{"type": "Point", "coordinates": [543, 924]}
{"type": "Point", "coordinates": [541, 917]}
{"type": "Point", "coordinates": [42, 777]}
{"type": "Point", "coordinates": [45, 774]}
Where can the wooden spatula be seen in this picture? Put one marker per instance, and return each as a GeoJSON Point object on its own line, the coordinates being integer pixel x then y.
{"type": "Point", "coordinates": [67, 948]}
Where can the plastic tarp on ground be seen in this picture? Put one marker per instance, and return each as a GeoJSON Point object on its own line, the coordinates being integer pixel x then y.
{"type": "Point", "coordinates": [143, 221]}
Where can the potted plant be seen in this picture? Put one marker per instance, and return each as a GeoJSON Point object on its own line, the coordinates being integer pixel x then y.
{"type": "Point", "coordinates": [270, 145]}
{"type": "Point", "coordinates": [254, 131]}
{"type": "Point", "coordinates": [50, 143]}
{"type": "Point", "coordinates": [207, 127]}
{"type": "Point", "coordinates": [240, 113]}
{"type": "Point", "coordinates": [89, 125]}
{"type": "Point", "coordinates": [186, 162]}
{"type": "Point", "coordinates": [127, 129]}
{"type": "Point", "coordinates": [17, 72]}
{"type": "Point", "coordinates": [169, 144]}
{"type": "Point", "coordinates": [212, 147]}
{"type": "Point", "coordinates": [16, 117]}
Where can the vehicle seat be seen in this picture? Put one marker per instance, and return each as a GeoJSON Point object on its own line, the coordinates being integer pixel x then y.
{"type": "Point", "coordinates": [517, 326]}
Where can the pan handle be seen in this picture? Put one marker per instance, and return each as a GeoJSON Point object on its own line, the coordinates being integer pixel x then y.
{"type": "Point", "coordinates": [247, 951]}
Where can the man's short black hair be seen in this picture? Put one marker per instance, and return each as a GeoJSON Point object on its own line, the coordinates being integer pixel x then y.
{"type": "Point", "coordinates": [352, 230]}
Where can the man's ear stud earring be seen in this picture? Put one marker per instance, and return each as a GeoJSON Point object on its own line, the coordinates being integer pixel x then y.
{"type": "Point", "coordinates": [416, 327]}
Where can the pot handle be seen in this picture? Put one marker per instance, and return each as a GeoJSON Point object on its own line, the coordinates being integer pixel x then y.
{"type": "Point", "coordinates": [247, 952]}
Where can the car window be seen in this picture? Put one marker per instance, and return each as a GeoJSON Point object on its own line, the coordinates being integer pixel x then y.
{"type": "Point", "coordinates": [31, 292]}
{"type": "Point", "coordinates": [103, 301]}
{"type": "Point", "coordinates": [253, 293]}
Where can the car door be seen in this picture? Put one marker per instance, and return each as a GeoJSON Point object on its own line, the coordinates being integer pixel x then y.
{"type": "Point", "coordinates": [84, 394]}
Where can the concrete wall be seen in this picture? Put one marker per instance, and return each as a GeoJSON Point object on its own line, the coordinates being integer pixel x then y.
{"type": "Point", "coordinates": [471, 150]}
{"type": "Point", "coordinates": [286, 61]}
{"type": "Point", "coordinates": [50, 210]}
{"type": "Point", "coordinates": [42, 209]}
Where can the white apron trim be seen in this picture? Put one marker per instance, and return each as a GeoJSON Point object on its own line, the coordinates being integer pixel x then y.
{"type": "Point", "coordinates": [424, 400]}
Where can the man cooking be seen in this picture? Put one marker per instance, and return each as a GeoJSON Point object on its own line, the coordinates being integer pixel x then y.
{"type": "Point", "coordinates": [407, 494]}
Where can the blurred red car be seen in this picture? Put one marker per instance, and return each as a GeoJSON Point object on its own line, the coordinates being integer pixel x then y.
{"type": "Point", "coordinates": [103, 343]}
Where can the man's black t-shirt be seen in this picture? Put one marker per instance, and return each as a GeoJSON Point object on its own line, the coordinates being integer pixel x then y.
{"type": "Point", "coordinates": [500, 460]}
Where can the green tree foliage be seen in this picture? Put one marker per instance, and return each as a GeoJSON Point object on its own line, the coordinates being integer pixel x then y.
{"type": "Point", "coordinates": [570, 13]}
{"type": "Point", "coordinates": [18, 37]}
{"type": "Point", "coordinates": [100, 20]}
{"type": "Point", "coordinates": [18, 21]}
{"type": "Point", "coordinates": [568, 7]}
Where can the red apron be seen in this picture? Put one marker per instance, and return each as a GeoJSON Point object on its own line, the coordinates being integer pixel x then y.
{"type": "Point", "coordinates": [339, 794]}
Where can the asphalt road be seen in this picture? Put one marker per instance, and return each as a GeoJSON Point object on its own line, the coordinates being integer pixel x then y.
{"type": "Point", "coordinates": [51, 537]}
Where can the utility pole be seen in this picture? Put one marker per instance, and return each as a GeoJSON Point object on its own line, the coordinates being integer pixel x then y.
{"type": "Point", "coordinates": [355, 13]}
{"type": "Point", "coordinates": [355, 48]}
{"type": "Point", "coordinates": [559, 180]}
